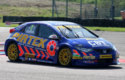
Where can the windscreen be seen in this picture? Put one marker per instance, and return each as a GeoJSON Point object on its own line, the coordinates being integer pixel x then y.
{"type": "Point", "coordinates": [75, 32]}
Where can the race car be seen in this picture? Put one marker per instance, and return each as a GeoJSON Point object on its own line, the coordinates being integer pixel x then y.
{"type": "Point", "coordinates": [59, 42]}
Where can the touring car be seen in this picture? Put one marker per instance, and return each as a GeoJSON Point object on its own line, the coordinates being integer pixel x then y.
{"type": "Point", "coordinates": [59, 42]}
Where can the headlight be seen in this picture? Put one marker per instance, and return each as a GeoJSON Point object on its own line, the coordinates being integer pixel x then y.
{"type": "Point", "coordinates": [114, 48]}
{"type": "Point", "coordinates": [83, 49]}
{"type": "Point", "coordinates": [117, 53]}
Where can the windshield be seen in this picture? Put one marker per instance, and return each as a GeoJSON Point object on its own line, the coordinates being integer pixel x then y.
{"type": "Point", "coordinates": [75, 32]}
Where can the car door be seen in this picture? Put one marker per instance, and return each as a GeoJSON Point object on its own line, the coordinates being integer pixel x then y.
{"type": "Point", "coordinates": [49, 45]}
{"type": "Point", "coordinates": [27, 37]}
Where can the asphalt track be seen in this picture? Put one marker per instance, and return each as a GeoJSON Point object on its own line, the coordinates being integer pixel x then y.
{"type": "Point", "coordinates": [41, 71]}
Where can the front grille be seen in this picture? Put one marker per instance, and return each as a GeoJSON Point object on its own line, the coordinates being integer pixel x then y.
{"type": "Point", "coordinates": [103, 51]}
{"type": "Point", "coordinates": [101, 61]}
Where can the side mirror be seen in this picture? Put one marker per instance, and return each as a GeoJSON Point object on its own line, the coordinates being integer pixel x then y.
{"type": "Point", "coordinates": [53, 37]}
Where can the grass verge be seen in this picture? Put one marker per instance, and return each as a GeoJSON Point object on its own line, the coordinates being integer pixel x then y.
{"type": "Point", "coordinates": [116, 29]}
{"type": "Point", "coordinates": [4, 25]}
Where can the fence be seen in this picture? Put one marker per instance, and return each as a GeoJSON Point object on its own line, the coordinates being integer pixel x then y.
{"type": "Point", "coordinates": [84, 9]}
{"type": "Point", "coordinates": [84, 22]}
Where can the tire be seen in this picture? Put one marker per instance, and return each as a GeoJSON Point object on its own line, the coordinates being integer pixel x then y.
{"type": "Point", "coordinates": [65, 57]}
{"type": "Point", "coordinates": [13, 52]}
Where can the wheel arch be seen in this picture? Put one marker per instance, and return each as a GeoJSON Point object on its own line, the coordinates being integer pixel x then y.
{"type": "Point", "coordinates": [7, 43]}
{"type": "Point", "coordinates": [64, 46]}
{"type": "Point", "coordinates": [61, 47]}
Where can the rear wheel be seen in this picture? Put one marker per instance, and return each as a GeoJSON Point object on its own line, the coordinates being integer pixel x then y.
{"type": "Point", "coordinates": [12, 52]}
{"type": "Point", "coordinates": [64, 57]}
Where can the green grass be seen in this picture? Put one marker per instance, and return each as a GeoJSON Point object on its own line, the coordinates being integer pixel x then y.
{"type": "Point", "coordinates": [44, 11]}
{"type": "Point", "coordinates": [27, 11]}
{"type": "Point", "coordinates": [4, 25]}
{"type": "Point", "coordinates": [116, 29]}
{"type": "Point", "coordinates": [84, 1]}
{"type": "Point", "coordinates": [119, 18]}
{"type": "Point", "coordinates": [24, 11]}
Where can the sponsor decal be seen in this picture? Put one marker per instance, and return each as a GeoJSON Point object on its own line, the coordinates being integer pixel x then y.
{"type": "Point", "coordinates": [89, 57]}
{"type": "Point", "coordinates": [69, 26]}
{"type": "Point", "coordinates": [84, 57]}
{"type": "Point", "coordinates": [27, 55]}
{"type": "Point", "coordinates": [34, 59]}
{"type": "Point", "coordinates": [106, 56]}
{"type": "Point", "coordinates": [90, 62]}
{"type": "Point", "coordinates": [75, 53]}
{"type": "Point", "coordinates": [24, 38]}
{"type": "Point", "coordinates": [91, 38]}
{"type": "Point", "coordinates": [97, 43]}
{"type": "Point", "coordinates": [51, 47]}
{"type": "Point", "coordinates": [76, 57]}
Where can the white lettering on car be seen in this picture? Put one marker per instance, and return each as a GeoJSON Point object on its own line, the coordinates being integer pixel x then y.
{"type": "Point", "coordinates": [97, 43]}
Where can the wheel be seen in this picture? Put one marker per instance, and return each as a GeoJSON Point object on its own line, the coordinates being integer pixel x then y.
{"type": "Point", "coordinates": [64, 57]}
{"type": "Point", "coordinates": [12, 52]}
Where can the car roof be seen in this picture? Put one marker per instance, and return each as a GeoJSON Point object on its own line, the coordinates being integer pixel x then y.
{"type": "Point", "coordinates": [54, 23]}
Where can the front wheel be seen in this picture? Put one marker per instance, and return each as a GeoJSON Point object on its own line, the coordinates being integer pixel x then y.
{"type": "Point", "coordinates": [65, 57]}
{"type": "Point", "coordinates": [12, 52]}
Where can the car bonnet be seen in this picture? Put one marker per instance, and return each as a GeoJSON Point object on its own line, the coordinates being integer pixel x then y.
{"type": "Point", "coordinates": [91, 43]}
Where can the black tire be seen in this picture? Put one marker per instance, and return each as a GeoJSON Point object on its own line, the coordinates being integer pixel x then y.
{"type": "Point", "coordinates": [65, 57]}
{"type": "Point", "coordinates": [13, 52]}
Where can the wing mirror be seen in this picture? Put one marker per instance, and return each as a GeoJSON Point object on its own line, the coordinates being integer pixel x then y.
{"type": "Point", "coordinates": [54, 37]}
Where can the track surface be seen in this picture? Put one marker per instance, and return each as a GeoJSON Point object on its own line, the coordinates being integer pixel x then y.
{"type": "Point", "coordinates": [117, 38]}
{"type": "Point", "coordinates": [41, 71]}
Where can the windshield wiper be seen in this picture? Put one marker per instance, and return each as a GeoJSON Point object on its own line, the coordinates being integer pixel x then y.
{"type": "Point", "coordinates": [63, 33]}
{"type": "Point", "coordinates": [67, 28]}
{"type": "Point", "coordinates": [76, 35]}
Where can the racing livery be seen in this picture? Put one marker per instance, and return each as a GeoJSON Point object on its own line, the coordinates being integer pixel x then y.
{"type": "Point", "coordinates": [59, 42]}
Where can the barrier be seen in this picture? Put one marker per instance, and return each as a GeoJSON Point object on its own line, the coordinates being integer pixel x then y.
{"type": "Point", "coordinates": [83, 22]}
{"type": "Point", "coordinates": [1, 44]}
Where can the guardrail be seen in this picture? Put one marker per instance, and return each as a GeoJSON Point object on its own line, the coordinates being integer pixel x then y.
{"type": "Point", "coordinates": [1, 44]}
{"type": "Point", "coordinates": [84, 22]}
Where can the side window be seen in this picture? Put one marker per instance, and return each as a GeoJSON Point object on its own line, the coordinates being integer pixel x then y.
{"type": "Point", "coordinates": [30, 29]}
{"type": "Point", "coordinates": [20, 26]}
{"type": "Point", "coordinates": [45, 31]}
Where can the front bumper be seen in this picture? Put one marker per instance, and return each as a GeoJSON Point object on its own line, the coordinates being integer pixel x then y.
{"type": "Point", "coordinates": [94, 62]}
{"type": "Point", "coordinates": [97, 57]}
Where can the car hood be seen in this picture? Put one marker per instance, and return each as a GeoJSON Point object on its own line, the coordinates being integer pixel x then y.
{"type": "Point", "coordinates": [91, 43]}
